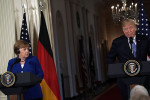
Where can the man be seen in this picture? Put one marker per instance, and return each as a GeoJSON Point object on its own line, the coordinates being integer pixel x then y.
{"type": "Point", "coordinates": [128, 47]}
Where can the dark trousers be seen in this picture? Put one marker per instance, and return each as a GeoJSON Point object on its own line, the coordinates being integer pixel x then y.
{"type": "Point", "coordinates": [124, 89]}
{"type": "Point", "coordinates": [147, 84]}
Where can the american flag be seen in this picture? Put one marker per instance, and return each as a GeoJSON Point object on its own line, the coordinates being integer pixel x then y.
{"type": "Point", "coordinates": [84, 72]}
{"type": "Point", "coordinates": [143, 27]}
{"type": "Point", "coordinates": [24, 33]}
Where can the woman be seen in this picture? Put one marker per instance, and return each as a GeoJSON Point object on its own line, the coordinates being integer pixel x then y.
{"type": "Point", "coordinates": [26, 64]}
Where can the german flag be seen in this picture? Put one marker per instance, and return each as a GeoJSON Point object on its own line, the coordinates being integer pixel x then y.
{"type": "Point", "coordinates": [49, 84]}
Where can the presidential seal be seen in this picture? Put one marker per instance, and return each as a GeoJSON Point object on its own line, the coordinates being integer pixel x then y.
{"type": "Point", "coordinates": [131, 67]}
{"type": "Point", "coordinates": [8, 79]}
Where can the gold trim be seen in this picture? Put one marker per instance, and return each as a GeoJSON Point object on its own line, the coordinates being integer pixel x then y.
{"type": "Point", "coordinates": [9, 84]}
{"type": "Point", "coordinates": [129, 61]}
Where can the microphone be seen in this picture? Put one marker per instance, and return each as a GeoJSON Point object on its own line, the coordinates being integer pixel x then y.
{"type": "Point", "coordinates": [16, 61]}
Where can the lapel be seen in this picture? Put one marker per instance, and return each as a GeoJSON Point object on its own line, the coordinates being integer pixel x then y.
{"type": "Point", "coordinates": [138, 48]}
{"type": "Point", "coordinates": [127, 48]}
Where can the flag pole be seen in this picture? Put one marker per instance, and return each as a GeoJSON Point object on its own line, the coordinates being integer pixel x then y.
{"type": "Point", "coordinates": [24, 6]}
{"type": "Point", "coordinates": [41, 5]}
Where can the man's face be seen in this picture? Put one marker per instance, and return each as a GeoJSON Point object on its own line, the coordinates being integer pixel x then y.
{"type": "Point", "coordinates": [129, 30]}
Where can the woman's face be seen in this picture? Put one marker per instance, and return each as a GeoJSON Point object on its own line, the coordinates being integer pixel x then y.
{"type": "Point", "coordinates": [24, 52]}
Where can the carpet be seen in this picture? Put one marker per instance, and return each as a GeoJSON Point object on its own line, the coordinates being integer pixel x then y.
{"type": "Point", "coordinates": [113, 93]}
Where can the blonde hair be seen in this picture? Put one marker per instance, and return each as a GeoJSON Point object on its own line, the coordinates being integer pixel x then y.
{"type": "Point", "coordinates": [128, 22]}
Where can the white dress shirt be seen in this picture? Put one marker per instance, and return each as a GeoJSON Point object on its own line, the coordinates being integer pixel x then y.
{"type": "Point", "coordinates": [134, 41]}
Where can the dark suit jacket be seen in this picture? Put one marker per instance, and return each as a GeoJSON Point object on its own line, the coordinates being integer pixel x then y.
{"type": "Point", "coordinates": [120, 49]}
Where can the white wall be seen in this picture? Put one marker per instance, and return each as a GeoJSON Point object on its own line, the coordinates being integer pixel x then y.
{"type": "Point", "coordinates": [59, 5]}
{"type": "Point", "coordinates": [68, 9]}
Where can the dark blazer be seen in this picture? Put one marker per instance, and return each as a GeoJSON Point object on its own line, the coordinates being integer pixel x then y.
{"type": "Point", "coordinates": [120, 49]}
{"type": "Point", "coordinates": [31, 65]}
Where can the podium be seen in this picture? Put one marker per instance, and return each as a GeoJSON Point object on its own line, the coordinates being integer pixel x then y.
{"type": "Point", "coordinates": [23, 81]}
{"type": "Point", "coordinates": [117, 71]}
